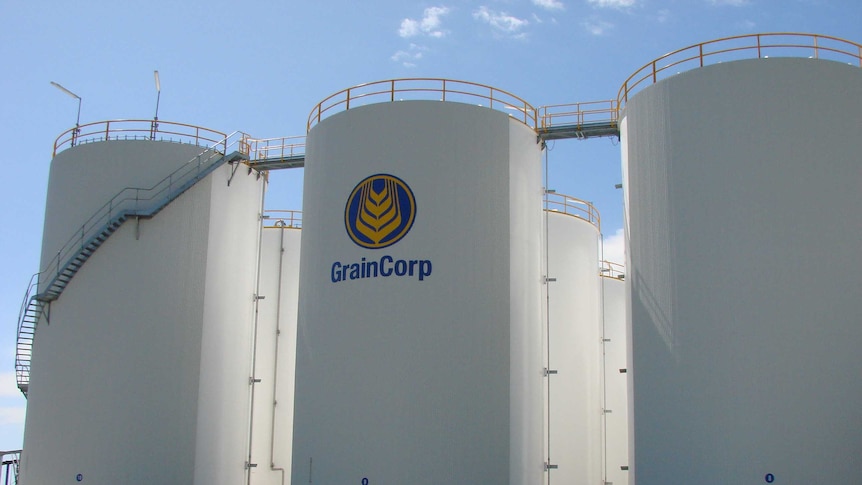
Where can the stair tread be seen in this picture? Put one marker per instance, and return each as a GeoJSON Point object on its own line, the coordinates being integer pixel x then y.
{"type": "Point", "coordinates": [35, 307]}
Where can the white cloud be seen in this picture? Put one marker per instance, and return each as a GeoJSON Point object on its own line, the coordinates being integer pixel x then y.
{"type": "Point", "coordinates": [614, 247]}
{"type": "Point", "coordinates": [502, 22]}
{"type": "Point", "coordinates": [549, 4]}
{"type": "Point", "coordinates": [597, 27]}
{"type": "Point", "coordinates": [431, 21]}
{"type": "Point", "coordinates": [409, 28]}
{"type": "Point", "coordinates": [9, 415]}
{"type": "Point", "coordinates": [409, 57]}
{"type": "Point", "coordinates": [430, 24]}
{"type": "Point", "coordinates": [613, 3]}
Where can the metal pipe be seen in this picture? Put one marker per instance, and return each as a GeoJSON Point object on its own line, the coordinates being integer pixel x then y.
{"type": "Point", "coordinates": [275, 359]}
{"type": "Point", "coordinates": [253, 378]}
{"type": "Point", "coordinates": [547, 321]}
{"type": "Point", "coordinates": [604, 366]}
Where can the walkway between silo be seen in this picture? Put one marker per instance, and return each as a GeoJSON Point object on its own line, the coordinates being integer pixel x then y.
{"type": "Point", "coordinates": [580, 121]}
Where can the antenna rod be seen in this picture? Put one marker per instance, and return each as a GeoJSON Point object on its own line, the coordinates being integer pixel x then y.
{"type": "Point", "coordinates": [158, 98]}
{"type": "Point", "coordinates": [78, 119]}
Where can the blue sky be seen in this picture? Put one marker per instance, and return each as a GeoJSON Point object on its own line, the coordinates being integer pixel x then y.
{"type": "Point", "coordinates": [260, 67]}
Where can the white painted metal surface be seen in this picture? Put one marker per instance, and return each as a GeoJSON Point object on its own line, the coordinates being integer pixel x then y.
{"type": "Point", "coordinates": [82, 180]}
{"type": "Point", "coordinates": [575, 351]}
{"type": "Point", "coordinates": [616, 424]}
{"type": "Point", "coordinates": [227, 347]}
{"type": "Point", "coordinates": [435, 376]}
{"type": "Point", "coordinates": [141, 376]}
{"type": "Point", "coordinates": [276, 356]}
{"type": "Point", "coordinates": [743, 201]}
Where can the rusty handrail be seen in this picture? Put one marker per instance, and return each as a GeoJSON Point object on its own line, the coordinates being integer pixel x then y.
{"type": "Point", "coordinates": [613, 270]}
{"type": "Point", "coordinates": [137, 130]}
{"type": "Point", "coordinates": [573, 206]}
{"type": "Point", "coordinates": [283, 218]}
{"type": "Point", "coordinates": [741, 46]}
{"type": "Point", "coordinates": [439, 89]}
{"type": "Point", "coordinates": [578, 114]}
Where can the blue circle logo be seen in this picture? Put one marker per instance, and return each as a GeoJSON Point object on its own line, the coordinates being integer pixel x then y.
{"type": "Point", "coordinates": [379, 211]}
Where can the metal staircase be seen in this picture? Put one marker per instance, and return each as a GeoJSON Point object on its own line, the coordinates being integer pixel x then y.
{"type": "Point", "coordinates": [130, 203]}
{"type": "Point", "coordinates": [9, 466]}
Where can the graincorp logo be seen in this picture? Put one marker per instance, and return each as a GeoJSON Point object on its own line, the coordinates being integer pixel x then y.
{"type": "Point", "coordinates": [379, 213]}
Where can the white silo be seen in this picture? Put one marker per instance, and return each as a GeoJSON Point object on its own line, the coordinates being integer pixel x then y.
{"type": "Point", "coordinates": [419, 356]}
{"type": "Point", "coordinates": [616, 386]}
{"type": "Point", "coordinates": [574, 342]}
{"type": "Point", "coordinates": [140, 370]}
{"type": "Point", "coordinates": [275, 352]}
{"type": "Point", "coordinates": [744, 227]}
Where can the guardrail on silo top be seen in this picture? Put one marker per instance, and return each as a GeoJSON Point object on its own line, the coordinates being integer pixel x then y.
{"type": "Point", "coordinates": [290, 219]}
{"type": "Point", "coordinates": [438, 89]}
{"type": "Point", "coordinates": [574, 207]}
{"type": "Point", "coordinates": [752, 46]}
{"type": "Point", "coordinates": [138, 130]}
{"type": "Point", "coordinates": [608, 269]}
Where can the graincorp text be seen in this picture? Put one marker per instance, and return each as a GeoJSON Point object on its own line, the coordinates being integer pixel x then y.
{"type": "Point", "coordinates": [386, 267]}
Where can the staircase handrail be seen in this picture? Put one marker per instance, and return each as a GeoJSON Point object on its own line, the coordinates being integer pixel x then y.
{"type": "Point", "coordinates": [20, 365]}
{"type": "Point", "coordinates": [141, 198]}
{"type": "Point", "coordinates": [114, 212]}
{"type": "Point", "coordinates": [32, 284]}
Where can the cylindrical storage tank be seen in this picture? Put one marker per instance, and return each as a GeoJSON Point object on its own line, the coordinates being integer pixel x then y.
{"type": "Point", "coordinates": [272, 419]}
{"type": "Point", "coordinates": [574, 342]}
{"type": "Point", "coordinates": [85, 178]}
{"type": "Point", "coordinates": [743, 205]}
{"type": "Point", "coordinates": [616, 392]}
{"type": "Point", "coordinates": [419, 355]}
{"type": "Point", "coordinates": [140, 368]}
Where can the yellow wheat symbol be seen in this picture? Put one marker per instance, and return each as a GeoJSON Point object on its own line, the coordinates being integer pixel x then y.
{"type": "Point", "coordinates": [379, 212]}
